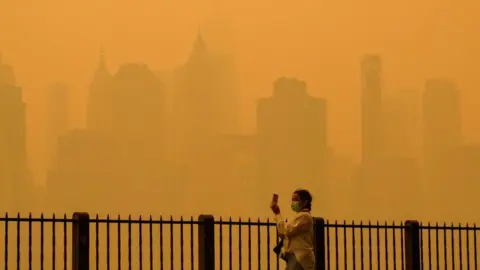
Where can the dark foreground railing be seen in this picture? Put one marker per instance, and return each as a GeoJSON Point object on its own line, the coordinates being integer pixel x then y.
{"type": "Point", "coordinates": [365, 246]}
{"type": "Point", "coordinates": [83, 242]}
{"type": "Point", "coordinates": [35, 242]}
{"type": "Point", "coordinates": [449, 246]}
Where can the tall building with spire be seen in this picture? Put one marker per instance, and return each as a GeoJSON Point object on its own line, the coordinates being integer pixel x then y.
{"type": "Point", "coordinates": [99, 101]}
{"type": "Point", "coordinates": [204, 109]}
{"type": "Point", "coordinates": [122, 149]}
{"type": "Point", "coordinates": [205, 102]}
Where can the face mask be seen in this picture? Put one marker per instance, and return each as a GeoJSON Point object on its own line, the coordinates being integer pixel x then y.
{"type": "Point", "coordinates": [295, 207]}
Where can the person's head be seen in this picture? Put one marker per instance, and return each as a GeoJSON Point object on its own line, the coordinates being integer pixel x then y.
{"type": "Point", "coordinates": [301, 200]}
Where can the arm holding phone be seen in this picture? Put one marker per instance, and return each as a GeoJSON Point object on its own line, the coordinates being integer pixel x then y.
{"type": "Point", "coordinates": [274, 205]}
{"type": "Point", "coordinates": [276, 210]}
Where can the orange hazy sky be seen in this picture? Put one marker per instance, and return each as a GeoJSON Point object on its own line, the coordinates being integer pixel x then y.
{"type": "Point", "coordinates": [320, 41]}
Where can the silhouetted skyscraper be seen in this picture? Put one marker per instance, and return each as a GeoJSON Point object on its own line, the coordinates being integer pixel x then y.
{"type": "Point", "coordinates": [57, 118]}
{"type": "Point", "coordinates": [99, 97]}
{"type": "Point", "coordinates": [138, 124]}
{"type": "Point", "coordinates": [15, 182]}
{"type": "Point", "coordinates": [292, 131]}
{"type": "Point", "coordinates": [205, 101]}
{"type": "Point", "coordinates": [371, 109]}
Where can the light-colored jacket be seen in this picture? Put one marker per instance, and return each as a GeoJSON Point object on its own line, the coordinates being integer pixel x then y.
{"type": "Point", "coordinates": [298, 233]}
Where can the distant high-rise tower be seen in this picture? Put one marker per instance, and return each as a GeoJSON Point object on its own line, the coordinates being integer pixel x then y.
{"type": "Point", "coordinates": [99, 100]}
{"type": "Point", "coordinates": [371, 99]}
{"type": "Point", "coordinates": [137, 123]}
{"type": "Point", "coordinates": [125, 156]}
{"type": "Point", "coordinates": [205, 100]}
{"type": "Point", "coordinates": [15, 184]}
{"type": "Point", "coordinates": [292, 138]}
{"type": "Point", "coordinates": [441, 120]}
{"type": "Point", "coordinates": [58, 118]}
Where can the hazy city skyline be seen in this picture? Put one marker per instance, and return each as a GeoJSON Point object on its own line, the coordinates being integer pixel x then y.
{"type": "Point", "coordinates": [416, 41]}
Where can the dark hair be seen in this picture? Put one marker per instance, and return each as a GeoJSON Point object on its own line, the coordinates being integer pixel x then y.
{"type": "Point", "coordinates": [305, 196]}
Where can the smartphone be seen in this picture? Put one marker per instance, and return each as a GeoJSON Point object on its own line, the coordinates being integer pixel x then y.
{"type": "Point", "coordinates": [275, 198]}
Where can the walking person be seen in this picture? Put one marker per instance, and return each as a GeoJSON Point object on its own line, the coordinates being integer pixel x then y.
{"type": "Point", "coordinates": [297, 233]}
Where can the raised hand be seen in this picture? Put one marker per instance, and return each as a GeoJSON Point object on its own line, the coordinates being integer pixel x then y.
{"type": "Point", "coordinates": [275, 208]}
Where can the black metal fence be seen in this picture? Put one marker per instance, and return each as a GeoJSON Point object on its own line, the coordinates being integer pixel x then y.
{"type": "Point", "coordinates": [84, 242]}
{"type": "Point", "coordinates": [365, 246]}
{"type": "Point", "coordinates": [35, 242]}
{"type": "Point", "coordinates": [448, 246]}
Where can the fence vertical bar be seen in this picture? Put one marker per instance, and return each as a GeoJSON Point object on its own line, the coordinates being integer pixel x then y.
{"type": "Point", "coordinates": [81, 241]}
{"type": "Point", "coordinates": [53, 241]}
{"type": "Point", "coordinates": [42, 242]}
{"type": "Point", "coordinates": [319, 230]}
{"type": "Point", "coordinates": [18, 242]}
{"type": "Point", "coordinates": [412, 245]}
{"type": "Point", "coordinates": [6, 243]}
{"type": "Point", "coordinates": [206, 242]}
{"type": "Point", "coordinates": [65, 256]}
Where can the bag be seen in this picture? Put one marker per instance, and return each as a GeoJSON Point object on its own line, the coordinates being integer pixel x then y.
{"type": "Point", "coordinates": [278, 249]}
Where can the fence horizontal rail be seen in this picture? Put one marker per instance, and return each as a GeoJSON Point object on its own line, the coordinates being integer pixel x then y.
{"type": "Point", "coordinates": [449, 227]}
{"type": "Point", "coordinates": [244, 222]}
{"type": "Point", "coordinates": [42, 218]}
{"type": "Point", "coordinates": [361, 225]}
{"type": "Point", "coordinates": [148, 220]}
